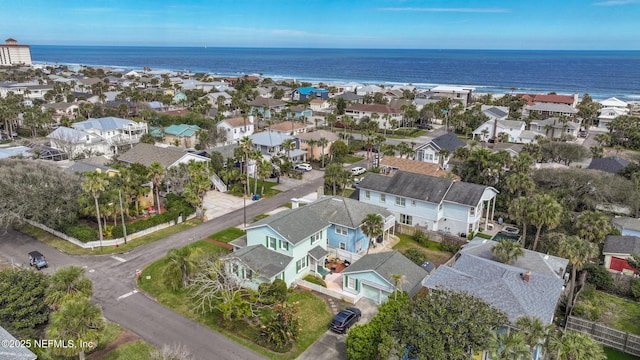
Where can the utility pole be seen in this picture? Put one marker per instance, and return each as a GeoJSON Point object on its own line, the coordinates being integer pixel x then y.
{"type": "Point", "coordinates": [124, 226]}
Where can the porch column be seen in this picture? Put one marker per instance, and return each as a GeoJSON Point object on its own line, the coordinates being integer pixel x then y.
{"type": "Point", "coordinates": [493, 210]}
{"type": "Point", "coordinates": [486, 221]}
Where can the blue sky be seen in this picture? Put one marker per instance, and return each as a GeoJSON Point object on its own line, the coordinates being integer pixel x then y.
{"type": "Point", "coordinates": [427, 24]}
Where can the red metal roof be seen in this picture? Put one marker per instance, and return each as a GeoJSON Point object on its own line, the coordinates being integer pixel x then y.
{"type": "Point", "coordinates": [619, 264]}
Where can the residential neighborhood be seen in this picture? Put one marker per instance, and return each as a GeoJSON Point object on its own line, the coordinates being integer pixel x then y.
{"type": "Point", "coordinates": [327, 196]}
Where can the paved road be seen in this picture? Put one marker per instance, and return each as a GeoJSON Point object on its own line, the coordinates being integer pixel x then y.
{"type": "Point", "coordinates": [115, 289]}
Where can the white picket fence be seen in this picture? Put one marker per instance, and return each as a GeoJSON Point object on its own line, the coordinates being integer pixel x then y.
{"type": "Point", "coordinates": [110, 242]}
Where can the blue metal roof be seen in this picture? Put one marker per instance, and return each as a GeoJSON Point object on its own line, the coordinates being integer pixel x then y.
{"type": "Point", "coordinates": [310, 89]}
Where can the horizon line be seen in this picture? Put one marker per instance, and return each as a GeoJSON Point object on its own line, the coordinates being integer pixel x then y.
{"type": "Point", "coordinates": [327, 48]}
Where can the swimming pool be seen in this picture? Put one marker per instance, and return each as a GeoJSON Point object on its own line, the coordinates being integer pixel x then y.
{"type": "Point", "coordinates": [506, 236]}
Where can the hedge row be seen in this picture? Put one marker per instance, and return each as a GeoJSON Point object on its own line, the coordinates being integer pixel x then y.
{"type": "Point", "coordinates": [82, 232]}
{"type": "Point", "coordinates": [175, 206]}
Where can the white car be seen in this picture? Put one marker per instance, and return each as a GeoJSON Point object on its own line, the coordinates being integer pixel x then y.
{"type": "Point", "coordinates": [358, 170]}
{"type": "Point", "coordinates": [305, 167]}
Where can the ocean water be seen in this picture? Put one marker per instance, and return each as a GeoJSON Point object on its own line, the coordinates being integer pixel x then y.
{"type": "Point", "coordinates": [602, 74]}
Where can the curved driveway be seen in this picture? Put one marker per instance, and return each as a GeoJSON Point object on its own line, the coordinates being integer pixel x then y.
{"type": "Point", "coordinates": [115, 288]}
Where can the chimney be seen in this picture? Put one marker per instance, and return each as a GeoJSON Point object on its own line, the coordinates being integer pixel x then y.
{"type": "Point", "coordinates": [526, 276]}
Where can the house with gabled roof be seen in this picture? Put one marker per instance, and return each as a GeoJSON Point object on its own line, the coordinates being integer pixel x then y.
{"type": "Point", "coordinates": [439, 150]}
{"type": "Point", "coordinates": [294, 243]}
{"type": "Point", "coordinates": [627, 225]}
{"type": "Point", "coordinates": [267, 106]}
{"type": "Point", "coordinates": [611, 164]}
{"type": "Point", "coordinates": [547, 110]}
{"type": "Point", "coordinates": [608, 114]}
{"type": "Point", "coordinates": [74, 142]}
{"type": "Point", "coordinates": [493, 128]}
{"type": "Point", "coordinates": [358, 111]}
{"type": "Point", "coordinates": [495, 112]}
{"type": "Point", "coordinates": [270, 144]}
{"type": "Point", "coordinates": [375, 276]}
{"type": "Point", "coordinates": [147, 154]}
{"type": "Point", "coordinates": [434, 203]}
{"type": "Point", "coordinates": [310, 92]}
{"type": "Point", "coordinates": [115, 131]}
{"type": "Point", "coordinates": [554, 128]}
{"type": "Point", "coordinates": [617, 249]}
{"type": "Point", "coordinates": [236, 128]}
{"type": "Point", "coordinates": [184, 135]}
{"type": "Point", "coordinates": [530, 287]}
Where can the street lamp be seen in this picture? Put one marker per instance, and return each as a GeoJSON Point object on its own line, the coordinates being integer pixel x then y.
{"type": "Point", "coordinates": [244, 205]}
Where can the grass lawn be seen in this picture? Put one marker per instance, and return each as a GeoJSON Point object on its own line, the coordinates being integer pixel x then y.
{"type": "Point", "coordinates": [612, 311]}
{"type": "Point", "coordinates": [70, 248]}
{"type": "Point", "coordinates": [613, 354]}
{"type": "Point", "coordinates": [228, 234]}
{"type": "Point", "coordinates": [313, 310]}
{"type": "Point", "coordinates": [138, 350]}
{"type": "Point", "coordinates": [351, 159]}
{"type": "Point", "coordinates": [430, 248]}
{"type": "Point", "coordinates": [268, 188]}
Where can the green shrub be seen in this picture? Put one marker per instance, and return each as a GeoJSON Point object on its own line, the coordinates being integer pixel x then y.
{"type": "Point", "coordinates": [314, 280]}
{"type": "Point", "coordinates": [81, 232]}
{"type": "Point", "coordinates": [598, 276]}
{"type": "Point", "coordinates": [175, 207]}
{"type": "Point", "coordinates": [416, 255]}
{"type": "Point", "coordinates": [451, 245]}
{"type": "Point", "coordinates": [635, 288]}
{"type": "Point", "coordinates": [274, 293]}
{"type": "Point", "coordinates": [420, 237]}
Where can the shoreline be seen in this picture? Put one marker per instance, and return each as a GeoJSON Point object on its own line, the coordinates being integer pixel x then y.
{"type": "Point", "coordinates": [479, 89]}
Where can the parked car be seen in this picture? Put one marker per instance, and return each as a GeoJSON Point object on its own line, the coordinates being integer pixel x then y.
{"type": "Point", "coordinates": [425, 126]}
{"type": "Point", "coordinates": [583, 133]}
{"type": "Point", "coordinates": [358, 170]}
{"type": "Point", "coordinates": [345, 319]}
{"type": "Point", "coordinates": [37, 260]}
{"type": "Point", "coordinates": [303, 166]}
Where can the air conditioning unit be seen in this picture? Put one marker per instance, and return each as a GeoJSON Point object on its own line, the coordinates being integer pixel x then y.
{"type": "Point", "coordinates": [489, 226]}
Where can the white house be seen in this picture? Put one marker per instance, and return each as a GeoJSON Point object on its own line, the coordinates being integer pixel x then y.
{"type": "Point", "coordinates": [492, 128]}
{"type": "Point", "coordinates": [358, 111]}
{"type": "Point", "coordinates": [439, 150]}
{"type": "Point", "coordinates": [236, 128]}
{"type": "Point", "coordinates": [462, 94]}
{"type": "Point", "coordinates": [435, 203]}
{"type": "Point", "coordinates": [608, 114]}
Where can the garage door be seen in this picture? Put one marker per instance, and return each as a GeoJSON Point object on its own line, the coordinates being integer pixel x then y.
{"type": "Point", "coordinates": [371, 293]}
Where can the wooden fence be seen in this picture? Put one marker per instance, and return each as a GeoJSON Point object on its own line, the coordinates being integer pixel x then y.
{"type": "Point", "coordinates": [607, 336]}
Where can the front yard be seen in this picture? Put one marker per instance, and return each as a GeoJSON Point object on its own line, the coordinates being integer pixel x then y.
{"type": "Point", "coordinates": [431, 249]}
{"type": "Point", "coordinates": [314, 313]}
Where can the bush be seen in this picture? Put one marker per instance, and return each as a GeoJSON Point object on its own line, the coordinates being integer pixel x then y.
{"type": "Point", "coordinates": [415, 255]}
{"type": "Point", "coordinates": [314, 280]}
{"type": "Point", "coordinates": [622, 285]}
{"type": "Point", "coordinates": [635, 288]}
{"type": "Point", "coordinates": [81, 232]}
{"type": "Point", "coordinates": [598, 276]}
{"type": "Point", "coordinates": [450, 244]}
{"type": "Point", "coordinates": [176, 206]}
{"type": "Point", "coordinates": [274, 293]}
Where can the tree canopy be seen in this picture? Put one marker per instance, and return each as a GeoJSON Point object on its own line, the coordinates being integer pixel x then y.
{"type": "Point", "coordinates": [22, 306]}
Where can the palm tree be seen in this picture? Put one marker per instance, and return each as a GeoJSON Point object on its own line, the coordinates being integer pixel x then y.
{"type": "Point", "coordinates": [332, 174]}
{"type": "Point", "coordinates": [593, 226]}
{"type": "Point", "coordinates": [571, 345]}
{"type": "Point", "coordinates": [265, 168]}
{"type": "Point", "coordinates": [347, 121]}
{"type": "Point", "coordinates": [519, 211]}
{"type": "Point", "coordinates": [545, 211]}
{"type": "Point", "coordinates": [323, 142]}
{"type": "Point", "coordinates": [256, 156]}
{"type": "Point", "coordinates": [180, 266]}
{"type": "Point", "coordinates": [312, 143]}
{"type": "Point", "coordinates": [79, 322]}
{"type": "Point", "coordinates": [156, 174]}
{"type": "Point", "coordinates": [246, 144]}
{"type": "Point", "coordinates": [519, 183]}
{"type": "Point", "coordinates": [372, 227]}
{"type": "Point", "coordinates": [67, 284]}
{"type": "Point", "coordinates": [95, 183]}
{"type": "Point", "coordinates": [578, 252]}
{"type": "Point", "coordinates": [288, 145]}
{"type": "Point", "coordinates": [510, 346]}
{"type": "Point", "coordinates": [507, 251]}
{"type": "Point", "coordinates": [534, 330]}
{"type": "Point", "coordinates": [442, 155]}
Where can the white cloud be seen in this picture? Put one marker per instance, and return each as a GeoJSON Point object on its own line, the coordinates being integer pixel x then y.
{"type": "Point", "coordinates": [456, 10]}
{"type": "Point", "coordinates": [616, 2]}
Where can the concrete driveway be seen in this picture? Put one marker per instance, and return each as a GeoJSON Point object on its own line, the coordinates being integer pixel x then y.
{"type": "Point", "coordinates": [331, 346]}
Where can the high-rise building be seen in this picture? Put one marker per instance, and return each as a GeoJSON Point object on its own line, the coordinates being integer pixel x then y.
{"type": "Point", "coordinates": [11, 53]}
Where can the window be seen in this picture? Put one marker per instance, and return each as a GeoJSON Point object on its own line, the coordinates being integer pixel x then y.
{"type": "Point", "coordinates": [343, 246]}
{"type": "Point", "coordinates": [400, 201]}
{"type": "Point", "coordinates": [352, 283]}
{"type": "Point", "coordinates": [315, 237]}
{"type": "Point", "coordinates": [406, 219]}
{"type": "Point", "coordinates": [283, 245]}
{"type": "Point", "coordinates": [271, 242]}
{"type": "Point", "coordinates": [383, 198]}
{"type": "Point", "coordinates": [413, 203]}
{"type": "Point", "coordinates": [248, 274]}
{"type": "Point", "coordinates": [301, 264]}
{"type": "Point", "coordinates": [472, 211]}
{"type": "Point", "coordinates": [341, 230]}
{"type": "Point", "coordinates": [367, 194]}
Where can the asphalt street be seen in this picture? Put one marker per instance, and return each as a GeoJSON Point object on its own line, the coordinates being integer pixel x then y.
{"type": "Point", "coordinates": [115, 287]}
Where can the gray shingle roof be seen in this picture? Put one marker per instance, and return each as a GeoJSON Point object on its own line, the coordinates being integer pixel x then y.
{"type": "Point", "coordinates": [611, 164]}
{"type": "Point", "coordinates": [449, 142]}
{"type": "Point", "coordinates": [532, 260]}
{"type": "Point", "coordinates": [15, 352]}
{"type": "Point", "coordinates": [502, 286]}
{"type": "Point", "coordinates": [423, 187]}
{"type": "Point", "coordinates": [298, 224]}
{"type": "Point", "coordinates": [262, 261]}
{"type": "Point", "coordinates": [626, 223]}
{"type": "Point", "coordinates": [80, 167]}
{"type": "Point", "coordinates": [496, 112]}
{"type": "Point", "coordinates": [621, 244]}
{"type": "Point", "coordinates": [388, 264]}
{"type": "Point", "coordinates": [147, 154]}
{"type": "Point", "coordinates": [318, 252]}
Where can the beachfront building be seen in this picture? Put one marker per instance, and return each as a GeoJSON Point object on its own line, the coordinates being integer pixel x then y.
{"type": "Point", "coordinates": [385, 113]}
{"type": "Point", "coordinates": [12, 53]}
{"type": "Point", "coordinates": [461, 94]}
{"type": "Point", "coordinates": [513, 130]}
{"type": "Point", "coordinates": [29, 91]}
{"type": "Point", "coordinates": [555, 128]}
{"type": "Point", "coordinates": [611, 109]}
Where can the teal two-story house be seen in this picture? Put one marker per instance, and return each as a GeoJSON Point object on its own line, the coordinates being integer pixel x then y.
{"type": "Point", "coordinates": [294, 243]}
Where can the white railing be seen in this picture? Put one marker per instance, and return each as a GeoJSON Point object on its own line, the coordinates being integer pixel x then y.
{"type": "Point", "coordinates": [350, 298]}
{"type": "Point", "coordinates": [343, 254]}
{"type": "Point", "coordinates": [218, 183]}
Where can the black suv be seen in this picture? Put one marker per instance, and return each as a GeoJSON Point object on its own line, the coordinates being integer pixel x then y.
{"type": "Point", "coordinates": [38, 260]}
{"type": "Point", "coordinates": [345, 319]}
